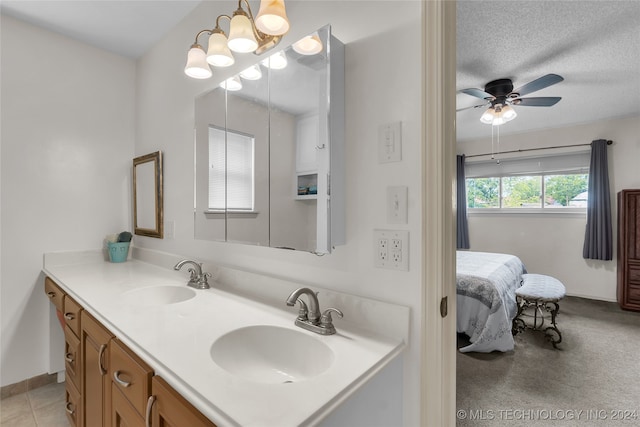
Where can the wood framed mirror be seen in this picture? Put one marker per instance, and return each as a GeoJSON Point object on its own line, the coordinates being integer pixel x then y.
{"type": "Point", "coordinates": [147, 195]}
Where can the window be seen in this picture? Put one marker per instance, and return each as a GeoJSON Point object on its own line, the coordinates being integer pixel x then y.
{"type": "Point", "coordinates": [231, 168]}
{"type": "Point", "coordinates": [552, 182]}
{"type": "Point", "coordinates": [516, 192]}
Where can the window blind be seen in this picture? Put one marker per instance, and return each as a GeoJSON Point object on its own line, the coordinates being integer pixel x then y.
{"type": "Point", "coordinates": [576, 162]}
{"type": "Point", "coordinates": [231, 168]}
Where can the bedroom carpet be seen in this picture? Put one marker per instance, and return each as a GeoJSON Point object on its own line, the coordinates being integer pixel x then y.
{"type": "Point", "coordinates": [592, 379]}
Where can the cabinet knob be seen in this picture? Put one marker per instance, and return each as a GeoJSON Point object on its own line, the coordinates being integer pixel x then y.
{"type": "Point", "coordinates": [69, 357]}
{"type": "Point", "coordinates": [51, 294]}
{"type": "Point", "coordinates": [69, 316]}
{"type": "Point", "coordinates": [147, 418]}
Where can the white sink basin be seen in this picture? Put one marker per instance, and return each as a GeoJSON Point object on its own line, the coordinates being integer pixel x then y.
{"type": "Point", "coordinates": [158, 295]}
{"type": "Point", "coordinates": [271, 354]}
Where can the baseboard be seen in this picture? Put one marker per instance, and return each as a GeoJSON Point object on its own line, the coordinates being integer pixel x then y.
{"type": "Point", "coordinates": [28, 384]}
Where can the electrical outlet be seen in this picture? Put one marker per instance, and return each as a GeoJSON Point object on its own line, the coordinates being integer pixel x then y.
{"type": "Point", "coordinates": [391, 249]}
{"type": "Point", "coordinates": [382, 250]}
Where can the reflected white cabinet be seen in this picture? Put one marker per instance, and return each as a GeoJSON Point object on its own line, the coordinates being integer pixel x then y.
{"type": "Point", "coordinates": [307, 139]}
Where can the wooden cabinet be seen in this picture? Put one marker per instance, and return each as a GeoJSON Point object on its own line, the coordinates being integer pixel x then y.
{"type": "Point", "coordinates": [629, 249]}
{"type": "Point", "coordinates": [107, 383]}
{"type": "Point", "coordinates": [131, 386]}
{"type": "Point", "coordinates": [172, 410]}
{"type": "Point", "coordinates": [94, 342]}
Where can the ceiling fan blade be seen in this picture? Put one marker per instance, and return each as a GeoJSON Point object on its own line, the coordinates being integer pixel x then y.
{"type": "Point", "coordinates": [473, 106]}
{"type": "Point", "coordinates": [538, 84]}
{"type": "Point", "coordinates": [478, 93]}
{"type": "Point", "coordinates": [544, 101]}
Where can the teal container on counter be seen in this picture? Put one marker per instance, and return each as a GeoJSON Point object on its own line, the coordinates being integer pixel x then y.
{"type": "Point", "coordinates": [118, 252]}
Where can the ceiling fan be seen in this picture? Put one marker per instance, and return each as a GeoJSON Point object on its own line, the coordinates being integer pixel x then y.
{"type": "Point", "coordinates": [499, 96]}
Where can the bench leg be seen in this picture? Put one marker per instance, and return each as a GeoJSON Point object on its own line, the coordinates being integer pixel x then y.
{"type": "Point", "coordinates": [553, 333]}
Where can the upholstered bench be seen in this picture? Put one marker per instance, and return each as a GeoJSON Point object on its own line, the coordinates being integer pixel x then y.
{"type": "Point", "coordinates": [537, 293]}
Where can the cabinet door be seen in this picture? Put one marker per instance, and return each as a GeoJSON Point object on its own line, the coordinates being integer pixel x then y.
{"type": "Point", "coordinates": [96, 398]}
{"type": "Point", "coordinates": [122, 413]}
{"type": "Point", "coordinates": [130, 375]}
{"type": "Point", "coordinates": [172, 410]}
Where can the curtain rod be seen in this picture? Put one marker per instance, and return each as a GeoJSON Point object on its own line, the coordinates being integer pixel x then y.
{"type": "Point", "coordinates": [609, 142]}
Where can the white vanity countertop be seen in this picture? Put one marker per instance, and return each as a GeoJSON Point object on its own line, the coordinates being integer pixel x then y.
{"type": "Point", "coordinates": [175, 340]}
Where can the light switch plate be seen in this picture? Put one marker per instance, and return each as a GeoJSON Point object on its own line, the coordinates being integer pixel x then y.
{"type": "Point", "coordinates": [397, 205]}
{"type": "Point", "coordinates": [390, 142]}
{"type": "Point", "coordinates": [391, 249]}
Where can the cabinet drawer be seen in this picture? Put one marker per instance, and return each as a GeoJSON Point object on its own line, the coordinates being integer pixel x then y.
{"type": "Point", "coordinates": [71, 356]}
{"type": "Point", "coordinates": [633, 273]}
{"type": "Point", "coordinates": [73, 405]}
{"type": "Point", "coordinates": [72, 314]}
{"type": "Point", "coordinates": [55, 294]}
{"type": "Point", "coordinates": [130, 375]}
{"type": "Point", "coordinates": [633, 294]}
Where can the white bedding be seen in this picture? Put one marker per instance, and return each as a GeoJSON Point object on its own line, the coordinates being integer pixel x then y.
{"type": "Point", "coordinates": [486, 299]}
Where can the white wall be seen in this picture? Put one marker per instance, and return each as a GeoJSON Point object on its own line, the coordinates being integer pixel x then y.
{"type": "Point", "coordinates": [552, 243]}
{"type": "Point", "coordinates": [383, 69]}
{"type": "Point", "coordinates": [67, 144]}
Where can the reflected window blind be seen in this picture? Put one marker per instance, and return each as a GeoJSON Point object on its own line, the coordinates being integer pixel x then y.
{"type": "Point", "coordinates": [238, 162]}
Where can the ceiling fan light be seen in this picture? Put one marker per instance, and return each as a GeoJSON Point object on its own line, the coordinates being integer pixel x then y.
{"type": "Point", "coordinates": [487, 116]}
{"type": "Point", "coordinates": [508, 113]}
{"type": "Point", "coordinates": [272, 17]}
{"type": "Point", "coordinates": [218, 53]}
{"type": "Point", "coordinates": [197, 66]}
{"type": "Point", "coordinates": [309, 45]}
{"type": "Point", "coordinates": [241, 38]}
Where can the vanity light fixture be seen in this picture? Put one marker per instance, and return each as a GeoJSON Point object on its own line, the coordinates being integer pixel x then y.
{"type": "Point", "coordinates": [246, 34]}
{"type": "Point", "coordinates": [309, 45]}
{"type": "Point", "coordinates": [498, 114]}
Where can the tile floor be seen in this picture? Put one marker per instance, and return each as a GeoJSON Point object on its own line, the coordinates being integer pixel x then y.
{"type": "Point", "coordinates": [41, 407]}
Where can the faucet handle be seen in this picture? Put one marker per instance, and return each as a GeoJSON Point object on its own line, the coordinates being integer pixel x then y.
{"type": "Point", "coordinates": [326, 322]}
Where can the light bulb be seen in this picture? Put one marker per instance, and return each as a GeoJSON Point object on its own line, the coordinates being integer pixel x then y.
{"type": "Point", "coordinates": [218, 53]}
{"type": "Point", "coordinates": [241, 38]}
{"type": "Point", "coordinates": [197, 66]}
{"type": "Point", "coordinates": [309, 45]}
{"type": "Point", "coordinates": [487, 117]}
{"type": "Point", "coordinates": [252, 73]}
{"type": "Point", "coordinates": [232, 84]}
{"type": "Point", "coordinates": [272, 17]}
{"type": "Point", "coordinates": [508, 113]}
{"type": "Point", "coordinates": [277, 61]}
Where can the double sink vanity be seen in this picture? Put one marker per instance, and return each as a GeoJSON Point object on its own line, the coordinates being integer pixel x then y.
{"type": "Point", "coordinates": [227, 357]}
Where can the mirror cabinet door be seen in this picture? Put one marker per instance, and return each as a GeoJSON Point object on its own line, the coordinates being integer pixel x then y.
{"type": "Point", "coordinates": [273, 152]}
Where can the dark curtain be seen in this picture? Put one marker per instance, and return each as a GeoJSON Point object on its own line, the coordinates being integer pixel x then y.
{"type": "Point", "coordinates": [598, 240]}
{"type": "Point", "coordinates": [462, 241]}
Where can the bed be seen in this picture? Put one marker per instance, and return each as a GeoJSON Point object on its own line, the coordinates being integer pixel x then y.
{"type": "Point", "coordinates": [486, 299]}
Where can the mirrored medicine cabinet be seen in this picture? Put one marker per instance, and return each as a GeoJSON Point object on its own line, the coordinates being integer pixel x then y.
{"type": "Point", "coordinates": [269, 152]}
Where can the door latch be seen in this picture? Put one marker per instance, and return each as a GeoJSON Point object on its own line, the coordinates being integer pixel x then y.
{"type": "Point", "coordinates": [443, 307]}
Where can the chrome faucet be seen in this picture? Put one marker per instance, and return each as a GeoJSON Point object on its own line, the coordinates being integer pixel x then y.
{"type": "Point", "coordinates": [197, 278]}
{"type": "Point", "coordinates": [310, 318]}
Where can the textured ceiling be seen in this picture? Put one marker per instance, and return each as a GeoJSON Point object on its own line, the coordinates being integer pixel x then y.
{"type": "Point", "coordinates": [594, 45]}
